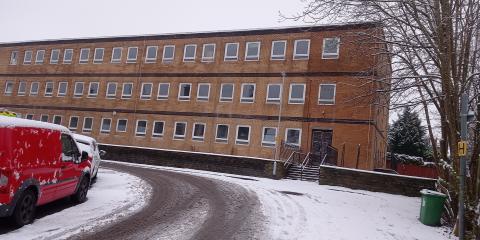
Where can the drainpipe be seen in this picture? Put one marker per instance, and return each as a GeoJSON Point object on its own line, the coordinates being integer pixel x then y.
{"type": "Point", "coordinates": [278, 125]}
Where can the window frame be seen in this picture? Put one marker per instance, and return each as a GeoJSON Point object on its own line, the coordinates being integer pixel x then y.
{"type": "Point", "coordinates": [331, 55]}
{"type": "Point", "coordinates": [229, 58]}
{"type": "Point", "coordinates": [222, 140]}
{"type": "Point", "coordinates": [107, 94]}
{"type": "Point", "coordinates": [31, 87]}
{"type": "Point", "coordinates": [209, 59]}
{"type": "Point", "coordinates": [189, 59]}
{"type": "Point", "coordinates": [125, 96]}
{"type": "Point", "coordinates": [132, 60]}
{"type": "Point", "coordinates": [180, 137]}
{"type": "Point", "coordinates": [52, 61]}
{"type": "Point", "coordinates": [142, 95]}
{"type": "Point", "coordinates": [168, 60]}
{"type": "Point", "coordinates": [78, 95]}
{"type": "Point", "coordinates": [243, 142]}
{"type": "Point", "coordinates": [37, 61]}
{"type": "Point", "coordinates": [249, 99]}
{"type": "Point", "coordinates": [13, 58]}
{"type": "Point", "coordinates": [221, 98]}
{"type": "Point", "coordinates": [268, 143]}
{"type": "Point", "coordinates": [183, 98]}
{"type": "Point", "coordinates": [196, 138]}
{"type": "Point", "coordinates": [257, 57]}
{"type": "Point", "coordinates": [90, 95]}
{"type": "Point", "coordinates": [24, 92]}
{"type": "Point", "coordinates": [65, 60]}
{"type": "Point", "coordinates": [44, 115]}
{"type": "Point", "coordinates": [203, 98]}
{"type": "Point", "coordinates": [158, 135]}
{"type": "Point", "coordinates": [139, 134]}
{"type": "Point", "coordinates": [48, 94]}
{"type": "Point", "coordinates": [293, 101]}
{"type": "Point", "coordinates": [126, 124]}
{"type": "Point", "coordinates": [84, 129]}
{"type": "Point", "coordinates": [29, 116]}
{"type": "Point", "coordinates": [299, 136]}
{"type": "Point", "coordinates": [70, 123]}
{"type": "Point", "coordinates": [98, 60]}
{"type": "Point", "coordinates": [59, 94]}
{"type": "Point", "coordinates": [7, 83]}
{"type": "Point", "coordinates": [80, 59]}
{"type": "Point", "coordinates": [114, 60]}
{"type": "Point", "coordinates": [148, 59]}
{"type": "Point", "coordinates": [29, 61]}
{"type": "Point", "coordinates": [278, 57]}
{"type": "Point", "coordinates": [55, 117]}
{"type": "Point", "coordinates": [163, 97]}
{"type": "Point", "coordinates": [269, 100]}
{"type": "Point", "coordinates": [297, 56]}
{"type": "Point", "coordinates": [327, 101]}
{"type": "Point", "coordinates": [102, 124]}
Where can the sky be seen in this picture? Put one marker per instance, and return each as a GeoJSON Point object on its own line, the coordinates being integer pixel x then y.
{"type": "Point", "coordinates": [24, 20]}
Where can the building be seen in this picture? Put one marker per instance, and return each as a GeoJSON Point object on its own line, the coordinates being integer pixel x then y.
{"type": "Point", "coordinates": [231, 92]}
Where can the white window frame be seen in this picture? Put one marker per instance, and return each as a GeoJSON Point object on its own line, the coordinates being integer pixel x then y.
{"type": "Point", "coordinates": [179, 137]}
{"type": "Point", "coordinates": [65, 60]}
{"type": "Point", "coordinates": [203, 98]}
{"type": "Point", "coordinates": [245, 99]}
{"type": "Point", "coordinates": [29, 116]}
{"type": "Point", "coordinates": [84, 129]}
{"type": "Point", "coordinates": [24, 92]}
{"type": "Point", "coordinates": [197, 138]}
{"type": "Point", "coordinates": [49, 94]}
{"type": "Point", "coordinates": [153, 129]}
{"type": "Point", "coordinates": [297, 56]}
{"type": "Point", "coordinates": [267, 143]}
{"type": "Point", "coordinates": [44, 115]}
{"type": "Point", "coordinates": [168, 60]}
{"type": "Point", "coordinates": [109, 95]}
{"type": "Point", "coordinates": [330, 55]}
{"type": "Point", "coordinates": [330, 101]}
{"type": "Point", "coordinates": [126, 124]}
{"type": "Point", "coordinates": [127, 96]}
{"type": "Point", "coordinates": [241, 141]}
{"type": "Point", "coordinates": [227, 58]}
{"type": "Point", "coordinates": [9, 82]}
{"type": "Point", "coordinates": [209, 59]}
{"type": "Point", "coordinates": [142, 95]}
{"type": "Point", "coordinates": [70, 122]}
{"type": "Point", "coordinates": [52, 61]}
{"type": "Point", "coordinates": [84, 61]}
{"type": "Point", "coordinates": [98, 60]}
{"type": "Point", "coordinates": [115, 60]}
{"type": "Point", "coordinates": [183, 98]}
{"type": "Point", "coordinates": [222, 140]}
{"type": "Point", "coordinates": [132, 60]}
{"type": "Point", "coordinates": [163, 97]}
{"type": "Point", "coordinates": [189, 59]}
{"type": "Point", "coordinates": [140, 134]}
{"type": "Point", "coordinates": [278, 57]}
{"type": "Point", "coordinates": [151, 60]}
{"type": "Point", "coordinates": [299, 136]}
{"type": "Point", "coordinates": [90, 95]}
{"type": "Point", "coordinates": [29, 60]}
{"type": "Point", "coordinates": [57, 116]}
{"type": "Point", "coordinates": [221, 99]}
{"type": "Point", "coordinates": [294, 101]}
{"type": "Point", "coordinates": [14, 58]}
{"type": "Point", "coordinates": [274, 100]}
{"type": "Point", "coordinates": [109, 127]}
{"type": "Point", "coordinates": [256, 57]}
{"type": "Point", "coordinates": [75, 90]}
{"type": "Point", "coordinates": [60, 94]}
{"type": "Point", "coordinates": [38, 88]}
{"type": "Point", "coordinates": [37, 61]}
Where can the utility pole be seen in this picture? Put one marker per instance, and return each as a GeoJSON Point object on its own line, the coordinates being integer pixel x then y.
{"type": "Point", "coordinates": [277, 140]}
{"type": "Point", "coordinates": [463, 165]}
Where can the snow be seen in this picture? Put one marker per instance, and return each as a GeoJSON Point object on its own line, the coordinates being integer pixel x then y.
{"type": "Point", "coordinates": [20, 122]}
{"type": "Point", "coordinates": [306, 210]}
{"type": "Point", "coordinates": [83, 138]}
{"type": "Point", "coordinates": [115, 195]}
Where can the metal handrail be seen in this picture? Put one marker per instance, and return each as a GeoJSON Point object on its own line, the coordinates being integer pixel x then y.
{"type": "Point", "coordinates": [288, 160]}
{"type": "Point", "coordinates": [324, 158]}
{"type": "Point", "coordinates": [304, 163]}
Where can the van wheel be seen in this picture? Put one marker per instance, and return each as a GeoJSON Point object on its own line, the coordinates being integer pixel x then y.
{"type": "Point", "coordinates": [81, 195]}
{"type": "Point", "coordinates": [24, 212]}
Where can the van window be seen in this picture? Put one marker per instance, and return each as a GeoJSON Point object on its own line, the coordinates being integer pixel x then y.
{"type": "Point", "coordinates": [69, 148]}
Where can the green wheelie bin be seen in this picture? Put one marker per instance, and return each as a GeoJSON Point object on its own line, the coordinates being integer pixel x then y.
{"type": "Point", "coordinates": [432, 207]}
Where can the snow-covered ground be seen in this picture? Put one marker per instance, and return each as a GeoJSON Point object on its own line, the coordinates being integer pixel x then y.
{"type": "Point", "coordinates": [306, 210]}
{"type": "Point", "coordinates": [114, 195]}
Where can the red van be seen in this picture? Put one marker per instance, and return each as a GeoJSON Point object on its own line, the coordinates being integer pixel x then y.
{"type": "Point", "coordinates": [39, 163]}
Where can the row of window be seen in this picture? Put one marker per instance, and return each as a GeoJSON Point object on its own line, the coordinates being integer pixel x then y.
{"type": "Point", "coordinates": [243, 132]}
{"type": "Point", "coordinates": [247, 94]}
{"type": "Point", "coordinates": [301, 51]}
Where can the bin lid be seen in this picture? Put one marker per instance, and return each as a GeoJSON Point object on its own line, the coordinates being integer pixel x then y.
{"type": "Point", "coordinates": [432, 193]}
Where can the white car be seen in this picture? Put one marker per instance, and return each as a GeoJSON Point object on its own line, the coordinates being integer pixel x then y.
{"type": "Point", "coordinates": [89, 145]}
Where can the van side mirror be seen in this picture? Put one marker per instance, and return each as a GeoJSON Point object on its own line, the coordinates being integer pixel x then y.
{"type": "Point", "coordinates": [102, 153]}
{"type": "Point", "coordinates": [84, 156]}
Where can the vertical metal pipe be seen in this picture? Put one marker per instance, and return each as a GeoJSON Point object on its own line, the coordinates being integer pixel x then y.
{"type": "Point", "coordinates": [278, 124]}
{"type": "Point", "coordinates": [463, 135]}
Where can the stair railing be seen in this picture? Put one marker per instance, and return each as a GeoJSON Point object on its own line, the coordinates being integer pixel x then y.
{"type": "Point", "coordinates": [289, 160]}
{"type": "Point", "coordinates": [306, 160]}
{"type": "Point", "coordinates": [323, 160]}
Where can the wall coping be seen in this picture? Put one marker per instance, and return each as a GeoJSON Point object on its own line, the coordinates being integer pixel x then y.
{"type": "Point", "coordinates": [379, 173]}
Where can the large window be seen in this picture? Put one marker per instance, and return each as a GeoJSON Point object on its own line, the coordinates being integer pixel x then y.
{"type": "Point", "coordinates": [67, 56]}
{"type": "Point", "coordinates": [8, 88]}
{"type": "Point", "coordinates": [146, 91]}
{"type": "Point", "coordinates": [297, 93]}
{"type": "Point", "coordinates": [248, 93]}
{"type": "Point", "coordinates": [203, 92]}
{"type": "Point", "coordinates": [98, 56]}
{"type": "Point", "coordinates": [34, 88]}
{"type": "Point", "coordinates": [73, 124]}
{"type": "Point", "coordinates": [221, 135]}
{"type": "Point", "coordinates": [141, 129]}
{"type": "Point", "coordinates": [278, 50]}
{"type": "Point", "coordinates": [158, 128]}
{"type": "Point", "coordinates": [274, 93]}
{"type": "Point", "coordinates": [326, 94]}
{"type": "Point", "coordinates": [48, 89]}
{"type": "Point", "coordinates": [231, 52]}
{"type": "Point", "coordinates": [40, 56]}
{"type": "Point", "coordinates": [122, 125]}
{"type": "Point", "coordinates": [78, 91]}
{"type": "Point", "coordinates": [27, 58]}
{"type": "Point", "coordinates": [54, 56]}
{"type": "Point", "coordinates": [180, 130]}
{"type": "Point", "coordinates": [127, 90]}
{"type": "Point", "coordinates": [116, 55]}
{"type": "Point", "coordinates": [106, 124]}
{"type": "Point", "coordinates": [301, 49]}
{"type": "Point", "coordinates": [293, 136]}
{"type": "Point", "coordinates": [168, 53]}
{"type": "Point", "coordinates": [22, 88]}
{"type": "Point", "coordinates": [84, 55]}
{"type": "Point", "coordinates": [208, 53]}
{"type": "Point", "coordinates": [189, 53]}
{"type": "Point", "coordinates": [184, 91]}
{"type": "Point", "coordinates": [93, 89]}
{"type": "Point", "coordinates": [163, 89]}
{"type": "Point", "coordinates": [226, 92]}
{"type": "Point", "coordinates": [243, 135]}
{"type": "Point", "coordinates": [252, 51]}
{"type": "Point", "coordinates": [268, 137]}
{"type": "Point", "coordinates": [331, 48]}
{"type": "Point", "coordinates": [198, 133]}
{"type": "Point", "coordinates": [132, 54]}
{"type": "Point", "coordinates": [151, 55]}
{"type": "Point", "coordinates": [14, 58]}
{"type": "Point", "coordinates": [111, 90]}
{"type": "Point", "coordinates": [87, 124]}
{"type": "Point", "coordinates": [62, 89]}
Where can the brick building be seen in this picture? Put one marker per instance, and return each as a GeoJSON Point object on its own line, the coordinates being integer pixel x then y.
{"type": "Point", "coordinates": [233, 92]}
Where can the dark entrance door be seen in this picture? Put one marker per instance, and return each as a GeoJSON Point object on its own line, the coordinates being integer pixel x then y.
{"type": "Point", "coordinates": [321, 139]}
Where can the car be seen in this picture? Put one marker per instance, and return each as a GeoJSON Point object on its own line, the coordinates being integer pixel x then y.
{"type": "Point", "coordinates": [39, 163]}
{"type": "Point", "coordinates": [89, 145]}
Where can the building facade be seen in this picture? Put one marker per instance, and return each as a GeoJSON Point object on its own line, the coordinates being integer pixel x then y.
{"type": "Point", "coordinates": [237, 93]}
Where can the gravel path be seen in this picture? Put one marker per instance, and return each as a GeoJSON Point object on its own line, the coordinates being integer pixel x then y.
{"type": "Point", "coordinates": [184, 206]}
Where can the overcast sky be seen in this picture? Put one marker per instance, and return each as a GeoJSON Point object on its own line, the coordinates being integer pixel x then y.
{"type": "Point", "coordinates": [23, 20]}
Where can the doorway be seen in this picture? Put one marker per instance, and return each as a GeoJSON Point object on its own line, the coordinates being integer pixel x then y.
{"type": "Point", "coordinates": [321, 140]}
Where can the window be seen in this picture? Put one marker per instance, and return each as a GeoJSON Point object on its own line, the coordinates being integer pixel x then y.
{"type": "Point", "coordinates": [73, 124]}
{"type": "Point", "coordinates": [331, 47]}
{"type": "Point", "coordinates": [34, 88]}
{"type": "Point", "coordinates": [78, 91]}
{"type": "Point", "coordinates": [8, 88]}
{"type": "Point", "coordinates": [278, 50]}
{"type": "Point", "coordinates": [184, 91]}
{"type": "Point", "coordinates": [274, 93]}
{"type": "Point", "coordinates": [69, 148]}
{"type": "Point", "coordinates": [231, 52]}
{"type": "Point", "coordinates": [84, 55]}
{"type": "Point", "coordinates": [221, 136]}
{"type": "Point", "coordinates": [62, 88]}
{"type": "Point", "coordinates": [48, 89]}
{"type": "Point", "coordinates": [44, 118]}
{"type": "Point", "coordinates": [243, 135]}
{"type": "Point", "coordinates": [163, 89]}
{"type": "Point", "coordinates": [208, 54]}
{"type": "Point", "coordinates": [54, 56]}
{"type": "Point", "coordinates": [141, 129]}
{"type": "Point", "coordinates": [122, 125]}
{"type": "Point", "coordinates": [203, 92]}
{"type": "Point", "coordinates": [117, 55]}
{"type": "Point", "coordinates": [98, 56]}
{"type": "Point", "coordinates": [269, 136]}
{"type": "Point", "coordinates": [87, 124]}
{"type": "Point", "coordinates": [93, 89]}
{"type": "Point", "coordinates": [27, 59]}
{"type": "Point", "coordinates": [248, 93]}
{"type": "Point", "coordinates": [301, 49]}
{"type": "Point", "coordinates": [146, 91]}
{"type": "Point", "coordinates": [198, 131]}
{"type": "Point", "coordinates": [326, 94]}
{"type": "Point", "coordinates": [297, 93]}
{"type": "Point", "coordinates": [14, 58]}
{"type": "Point", "coordinates": [252, 51]}
{"type": "Point", "coordinates": [151, 56]}
{"type": "Point", "coordinates": [168, 53]}
{"type": "Point", "coordinates": [158, 127]}
{"type": "Point", "coordinates": [132, 54]}
{"type": "Point", "coordinates": [127, 90]}
{"type": "Point", "coordinates": [111, 90]}
{"type": "Point", "coordinates": [180, 130]}
{"type": "Point", "coordinates": [226, 92]}
{"type": "Point", "coordinates": [29, 116]}
{"type": "Point", "coordinates": [189, 53]}
{"type": "Point", "coordinates": [67, 56]}
{"type": "Point", "coordinates": [40, 56]}
{"type": "Point", "coordinates": [57, 120]}
{"type": "Point", "coordinates": [22, 88]}
{"type": "Point", "coordinates": [293, 136]}
{"type": "Point", "coordinates": [106, 124]}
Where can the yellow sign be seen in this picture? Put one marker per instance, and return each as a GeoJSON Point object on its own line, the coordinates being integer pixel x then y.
{"type": "Point", "coordinates": [8, 114]}
{"type": "Point", "coordinates": [462, 148]}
